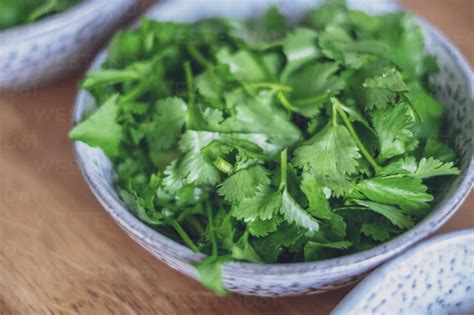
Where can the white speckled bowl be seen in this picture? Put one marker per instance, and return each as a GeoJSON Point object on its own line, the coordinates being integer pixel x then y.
{"type": "Point", "coordinates": [454, 86]}
{"type": "Point", "coordinates": [434, 277]}
{"type": "Point", "coordinates": [36, 53]}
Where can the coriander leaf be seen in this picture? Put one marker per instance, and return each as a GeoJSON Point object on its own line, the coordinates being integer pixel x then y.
{"type": "Point", "coordinates": [165, 128]}
{"type": "Point", "coordinates": [243, 250]}
{"type": "Point", "coordinates": [394, 128]}
{"type": "Point", "coordinates": [210, 274]}
{"type": "Point", "coordinates": [330, 12]}
{"type": "Point", "coordinates": [259, 115]}
{"type": "Point", "coordinates": [172, 180]}
{"type": "Point", "coordinates": [293, 212]}
{"type": "Point", "coordinates": [299, 47]}
{"type": "Point", "coordinates": [243, 184]}
{"type": "Point", "coordinates": [213, 83]}
{"type": "Point", "coordinates": [243, 65]}
{"type": "Point", "coordinates": [406, 41]}
{"type": "Point", "coordinates": [405, 165]}
{"type": "Point", "coordinates": [312, 86]}
{"type": "Point", "coordinates": [135, 204]}
{"type": "Point", "coordinates": [261, 33]}
{"type": "Point", "coordinates": [428, 109]}
{"type": "Point", "coordinates": [101, 129]}
{"type": "Point", "coordinates": [261, 228]}
{"type": "Point", "coordinates": [331, 154]}
{"type": "Point", "coordinates": [377, 232]}
{"type": "Point", "coordinates": [425, 168]}
{"type": "Point", "coordinates": [314, 191]}
{"type": "Point", "coordinates": [195, 166]}
{"type": "Point", "coordinates": [431, 167]}
{"type": "Point", "coordinates": [407, 192]}
{"type": "Point", "coordinates": [438, 150]}
{"type": "Point", "coordinates": [393, 214]}
{"type": "Point", "coordinates": [264, 205]}
{"type": "Point", "coordinates": [382, 89]}
{"type": "Point", "coordinates": [337, 44]}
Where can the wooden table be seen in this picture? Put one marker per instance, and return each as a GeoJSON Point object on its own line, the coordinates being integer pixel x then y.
{"type": "Point", "coordinates": [61, 253]}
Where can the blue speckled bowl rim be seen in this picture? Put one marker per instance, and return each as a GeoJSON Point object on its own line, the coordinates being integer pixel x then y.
{"type": "Point", "coordinates": [52, 23]}
{"type": "Point", "coordinates": [442, 212]}
{"type": "Point", "coordinates": [354, 297]}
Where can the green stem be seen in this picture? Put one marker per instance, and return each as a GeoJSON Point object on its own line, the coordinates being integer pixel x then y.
{"type": "Point", "coordinates": [285, 102]}
{"type": "Point", "coordinates": [196, 224]}
{"type": "Point", "coordinates": [198, 56]}
{"type": "Point", "coordinates": [312, 100]}
{"type": "Point", "coordinates": [270, 85]}
{"type": "Point", "coordinates": [210, 227]}
{"type": "Point", "coordinates": [284, 169]}
{"type": "Point", "coordinates": [334, 115]}
{"type": "Point", "coordinates": [193, 115]}
{"type": "Point", "coordinates": [184, 236]}
{"type": "Point", "coordinates": [365, 153]}
{"type": "Point", "coordinates": [223, 166]}
{"type": "Point", "coordinates": [136, 92]}
{"type": "Point", "coordinates": [189, 82]}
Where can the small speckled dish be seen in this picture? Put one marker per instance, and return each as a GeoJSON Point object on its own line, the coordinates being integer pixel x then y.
{"type": "Point", "coordinates": [36, 53]}
{"type": "Point", "coordinates": [434, 277]}
{"type": "Point", "coordinates": [453, 86]}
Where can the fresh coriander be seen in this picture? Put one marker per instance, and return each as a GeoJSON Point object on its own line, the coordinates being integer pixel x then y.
{"type": "Point", "coordinates": [264, 142]}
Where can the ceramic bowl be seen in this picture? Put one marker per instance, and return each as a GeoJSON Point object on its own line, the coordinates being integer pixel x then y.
{"type": "Point", "coordinates": [453, 86]}
{"type": "Point", "coordinates": [36, 53]}
{"type": "Point", "coordinates": [434, 277]}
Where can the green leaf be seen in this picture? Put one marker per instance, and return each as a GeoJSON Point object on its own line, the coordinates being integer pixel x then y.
{"type": "Point", "coordinates": [101, 129]}
{"type": "Point", "coordinates": [243, 65]}
{"type": "Point", "coordinates": [394, 128]}
{"type": "Point", "coordinates": [377, 232]}
{"type": "Point", "coordinates": [382, 90]}
{"type": "Point", "coordinates": [425, 168]}
{"type": "Point", "coordinates": [314, 191]}
{"type": "Point", "coordinates": [243, 184]}
{"type": "Point", "coordinates": [210, 274]}
{"type": "Point", "coordinates": [259, 115]}
{"type": "Point", "coordinates": [406, 192]}
{"type": "Point", "coordinates": [165, 128]}
{"type": "Point", "coordinates": [431, 167]}
{"type": "Point", "coordinates": [299, 47]}
{"type": "Point", "coordinates": [196, 167]}
{"type": "Point", "coordinates": [393, 214]}
{"type": "Point", "coordinates": [332, 155]}
{"type": "Point", "coordinates": [264, 205]}
{"type": "Point", "coordinates": [261, 228]}
{"type": "Point", "coordinates": [438, 150]}
{"type": "Point", "coordinates": [293, 213]}
{"type": "Point", "coordinates": [243, 250]}
{"type": "Point", "coordinates": [428, 109]}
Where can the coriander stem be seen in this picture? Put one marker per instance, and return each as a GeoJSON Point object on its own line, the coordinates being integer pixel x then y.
{"type": "Point", "coordinates": [198, 56]}
{"type": "Point", "coordinates": [136, 92]}
{"type": "Point", "coordinates": [196, 224]}
{"type": "Point", "coordinates": [283, 168]}
{"type": "Point", "coordinates": [189, 82]}
{"type": "Point", "coordinates": [284, 101]}
{"type": "Point", "coordinates": [223, 166]}
{"type": "Point", "coordinates": [184, 236]}
{"type": "Point", "coordinates": [210, 227]}
{"type": "Point", "coordinates": [365, 153]}
{"type": "Point", "coordinates": [311, 100]}
{"type": "Point", "coordinates": [270, 85]}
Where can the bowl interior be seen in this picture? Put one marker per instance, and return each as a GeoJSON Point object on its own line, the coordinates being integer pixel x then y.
{"type": "Point", "coordinates": [453, 86]}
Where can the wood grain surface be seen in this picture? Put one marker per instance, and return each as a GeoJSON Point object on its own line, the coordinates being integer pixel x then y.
{"type": "Point", "coordinates": [60, 253]}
